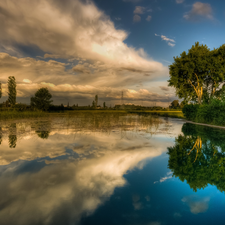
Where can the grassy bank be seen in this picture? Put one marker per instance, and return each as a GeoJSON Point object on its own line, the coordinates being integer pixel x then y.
{"type": "Point", "coordinates": [22, 115]}
{"type": "Point", "coordinates": [173, 114]}
{"type": "Point", "coordinates": [38, 114]}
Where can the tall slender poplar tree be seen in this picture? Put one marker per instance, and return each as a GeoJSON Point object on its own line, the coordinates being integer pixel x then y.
{"type": "Point", "coordinates": [96, 100]}
{"type": "Point", "coordinates": [12, 90]}
{"type": "Point", "coordinates": [0, 90]}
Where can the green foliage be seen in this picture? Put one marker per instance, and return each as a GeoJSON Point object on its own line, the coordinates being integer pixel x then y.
{"type": "Point", "coordinates": [0, 90]}
{"type": "Point", "coordinates": [104, 106]}
{"type": "Point", "coordinates": [175, 104]}
{"type": "Point", "coordinates": [43, 134]}
{"type": "Point", "coordinates": [198, 74]}
{"type": "Point", "coordinates": [1, 135]}
{"type": "Point", "coordinates": [211, 113]}
{"type": "Point", "coordinates": [200, 164]}
{"type": "Point", "coordinates": [12, 141]}
{"type": "Point", "coordinates": [190, 111]}
{"type": "Point", "coordinates": [41, 100]}
{"type": "Point", "coordinates": [96, 100]}
{"type": "Point", "coordinates": [12, 90]}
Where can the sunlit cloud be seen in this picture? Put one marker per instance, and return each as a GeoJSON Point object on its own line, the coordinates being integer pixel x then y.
{"type": "Point", "coordinates": [93, 51]}
{"type": "Point", "coordinates": [75, 29]}
{"type": "Point", "coordinates": [27, 81]}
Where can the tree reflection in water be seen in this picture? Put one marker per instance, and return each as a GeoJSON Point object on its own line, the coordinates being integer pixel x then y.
{"type": "Point", "coordinates": [0, 135]}
{"type": "Point", "coordinates": [199, 157]}
{"type": "Point", "coordinates": [12, 135]}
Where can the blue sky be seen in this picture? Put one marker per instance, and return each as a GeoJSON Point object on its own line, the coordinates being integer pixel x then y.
{"type": "Point", "coordinates": [79, 48]}
{"type": "Point", "coordinates": [167, 18]}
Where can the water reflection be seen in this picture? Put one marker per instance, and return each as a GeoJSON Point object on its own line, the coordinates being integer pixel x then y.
{"type": "Point", "coordinates": [0, 135]}
{"type": "Point", "coordinates": [12, 135]}
{"type": "Point", "coordinates": [84, 122]}
{"type": "Point", "coordinates": [198, 157]}
{"type": "Point", "coordinates": [74, 167]}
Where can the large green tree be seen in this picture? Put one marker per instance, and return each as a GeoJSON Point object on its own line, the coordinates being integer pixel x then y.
{"type": "Point", "coordinates": [12, 90]}
{"type": "Point", "coordinates": [42, 99]}
{"type": "Point", "coordinates": [198, 73]}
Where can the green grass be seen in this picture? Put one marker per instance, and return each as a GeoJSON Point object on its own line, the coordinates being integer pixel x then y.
{"type": "Point", "coordinates": [22, 115]}
{"type": "Point", "coordinates": [173, 114]}
{"type": "Point", "coordinates": [38, 114]}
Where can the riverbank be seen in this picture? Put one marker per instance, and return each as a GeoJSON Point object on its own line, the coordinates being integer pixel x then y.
{"type": "Point", "coordinates": [207, 125]}
{"type": "Point", "coordinates": [37, 114]}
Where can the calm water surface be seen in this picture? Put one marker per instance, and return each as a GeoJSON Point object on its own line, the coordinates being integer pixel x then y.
{"type": "Point", "coordinates": [111, 170]}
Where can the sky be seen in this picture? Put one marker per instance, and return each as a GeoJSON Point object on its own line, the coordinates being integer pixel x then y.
{"type": "Point", "coordinates": [80, 48]}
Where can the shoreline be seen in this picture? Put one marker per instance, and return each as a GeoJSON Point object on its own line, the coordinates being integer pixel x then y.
{"type": "Point", "coordinates": [205, 124]}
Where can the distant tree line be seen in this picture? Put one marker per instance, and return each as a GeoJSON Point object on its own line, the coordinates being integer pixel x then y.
{"type": "Point", "coordinates": [42, 100]}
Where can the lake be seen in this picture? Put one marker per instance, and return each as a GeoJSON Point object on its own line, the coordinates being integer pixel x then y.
{"type": "Point", "coordinates": [111, 169]}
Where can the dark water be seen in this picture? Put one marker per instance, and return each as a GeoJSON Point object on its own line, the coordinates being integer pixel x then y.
{"type": "Point", "coordinates": [111, 170]}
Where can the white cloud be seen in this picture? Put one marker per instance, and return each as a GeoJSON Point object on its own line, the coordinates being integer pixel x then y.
{"type": "Point", "coordinates": [179, 1]}
{"type": "Point", "coordinates": [136, 18]}
{"type": "Point", "coordinates": [197, 205]}
{"type": "Point", "coordinates": [170, 42]}
{"type": "Point", "coordinates": [77, 32]}
{"type": "Point", "coordinates": [139, 10]}
{"type": "Point", "coordinates": [75, 29]}
{"type": "Point", "coordinates": [149, 18]}
{"type": "Point", "coordinates": [88, 80]}
{"type": "Point", "coordinates": [167, 39]}
{"type": "Point", "coordinates": [169, 176]}
{"type": "Point", "coordinates": [27, 81]}
{"type": "Point", "coordinates": [199, 11]}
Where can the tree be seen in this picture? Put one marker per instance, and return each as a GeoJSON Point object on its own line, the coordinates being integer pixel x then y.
{"type": "Point", "coordinates": [182, 104]}
{"type": "Point", "coordinates": [42, 99]}
{"type": "Point", "coordinates": [93, 104]}
{"type": "Point", "coordinates": [96, 100]}
{"type": "Point", "coordinates": [12, 90]}
{"type": "Point", "coordinates": [198, 73]}
{"type": "Point", "coordinates": [104, 105]}
{"type": "Point", "coordinates": [175, 104]}
{"type": "Point", "coordinates": [0, 90]}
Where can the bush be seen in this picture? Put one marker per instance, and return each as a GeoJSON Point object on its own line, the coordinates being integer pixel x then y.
{"type": "Point", "coordinates": [190, 111]}
{"type": "Point", "coordinates": [211, 113]}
